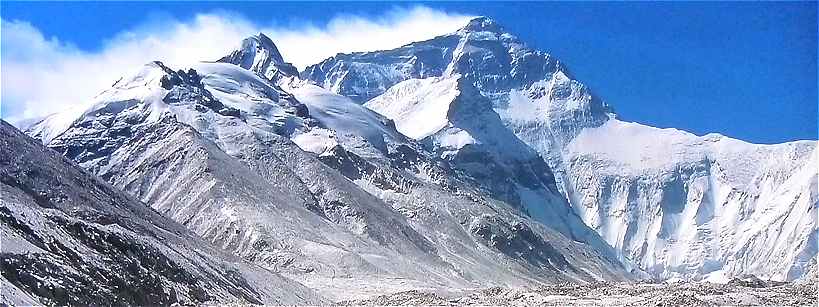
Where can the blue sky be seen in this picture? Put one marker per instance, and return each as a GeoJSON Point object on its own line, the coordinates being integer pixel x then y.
{"type": "Point", "coordinates": [746, 70]}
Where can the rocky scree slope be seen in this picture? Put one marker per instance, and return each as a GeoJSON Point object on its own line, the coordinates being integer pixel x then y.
{"type": "Point", "coordinates": [70, 238]}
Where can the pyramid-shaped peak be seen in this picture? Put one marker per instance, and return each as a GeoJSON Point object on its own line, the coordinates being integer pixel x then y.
{"type": "Point", "coordinates": [258, 53]}
{"type": "Point", "coordinates": [262, 43]}
{"type": "Point", "coordinates": [263, 38]}
{"type": "Point", "coordinates": [482, 24]}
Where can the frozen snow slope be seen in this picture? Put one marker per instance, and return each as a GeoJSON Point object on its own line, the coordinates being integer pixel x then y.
{"type": "Point", "coordinates": [69, 238]}
{"type": "Point", "coordinates": [676, 204]}
{"type": "Point", "coordinates": [311, 184]}
{"type": "Point", "coordinates": [471, 137]}
{"type": "Point", "coordinates": [698, 207]}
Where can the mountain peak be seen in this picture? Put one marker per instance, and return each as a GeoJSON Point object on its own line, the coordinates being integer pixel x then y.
{"type": "Point", "coordinates": [482, 24]}
{"type": "Point", "coordinates": [258, 53]}
{"type": "Point", "coordinates": [263, 42]}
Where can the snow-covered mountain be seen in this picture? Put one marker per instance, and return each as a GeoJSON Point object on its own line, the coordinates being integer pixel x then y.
{"type": "Point", "coordinates": [69, 238]}
{"type": "Point", "coordinates": [463, 161]}
{"type": "Point", "coordinates": [311, 184]}
{"type": "Point", "coordinates": [259, 54]}
{"type": "Point", "coordinates": [676, 204]}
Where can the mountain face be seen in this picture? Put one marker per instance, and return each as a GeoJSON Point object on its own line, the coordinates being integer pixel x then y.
{"type": "Point", "coordinates": [710, 206]}
{"type": "Point", "coordinates": [532, 92]}
{"type": "Point", "coordinates": [675, 204]}
{"type": "Point", "coordinates": [302, 181]}
{"type": "Point", "coordinates": [258, 53]}
{"type": "Point", "coordinates": [71, 238]}
{"type": "Point", "coordinates": [442, 92]}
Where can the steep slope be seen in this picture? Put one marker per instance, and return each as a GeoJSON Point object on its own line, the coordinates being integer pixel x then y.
{"type": "Point", "coordinates": [180, 149]}
{"type": "Point", "coordinates": [709, 206]}
{"type": "Point", "coordinates": [358, 209]}
{"type": "Point", "coordinates": [445, 204]}
{"type": "Point", "coordinates": [455, 114]}
{"type": "Point", "coordinates": [70, 238]}
{"type": "Point", "coordinates": [458, 124]}
{"type": "Point", "coordinates": [516, 174]}
{"type": "Point", "coordinates": [637, 186]}
{"type": "Point", "coordinates": [258, 53]}
{"type": "Point", "coordinates": [533, 93]}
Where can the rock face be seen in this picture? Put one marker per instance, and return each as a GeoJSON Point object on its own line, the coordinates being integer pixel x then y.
{"type": "Point", "coordinates": [71, 238]}
{"type": "Point", "coordinates": [302, 181]}
{"type": "Point", "coordinates": [675, 204]}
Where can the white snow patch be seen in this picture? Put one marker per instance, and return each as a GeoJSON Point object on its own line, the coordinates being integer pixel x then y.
{"type": "Point", "coordinates": [419, 107]}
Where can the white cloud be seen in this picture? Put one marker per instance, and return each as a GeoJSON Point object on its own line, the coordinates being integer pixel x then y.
{"type": "Point", "coordinates": [308, 46]}
{"type": "Point", "coordinates": [43, 75]}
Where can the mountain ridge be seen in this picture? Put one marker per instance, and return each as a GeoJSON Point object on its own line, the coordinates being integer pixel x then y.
{"type": "Point", "coordinates": [374, 207]}
{"type": "Point", "coordinates": [64, 229]}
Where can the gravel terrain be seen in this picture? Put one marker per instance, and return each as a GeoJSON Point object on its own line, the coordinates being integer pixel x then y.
{"type": "Point", "coordinates": [736, 293]}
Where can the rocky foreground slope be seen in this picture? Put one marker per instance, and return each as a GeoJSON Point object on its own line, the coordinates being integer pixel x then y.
{"type": "Point", "coordinates": [605, 294]}
{"type": "Point", "coordinates": [69, 238]}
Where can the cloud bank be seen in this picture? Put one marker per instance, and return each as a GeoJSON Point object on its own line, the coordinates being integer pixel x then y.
{"type": "Point", "coordinates": [41, 75]}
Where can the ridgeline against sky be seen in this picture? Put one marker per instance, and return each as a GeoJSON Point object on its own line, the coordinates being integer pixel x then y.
{"type": "Point", "coordinates": [703, 67]}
